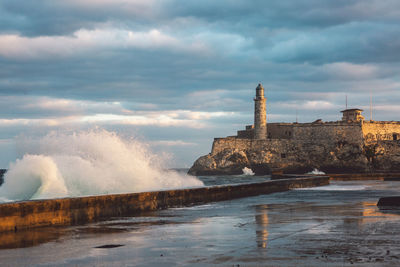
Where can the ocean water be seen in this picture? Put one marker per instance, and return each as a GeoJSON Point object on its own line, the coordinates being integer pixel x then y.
{"type": "Point", "coordinates": [337, 225]}
{"type": "Point", "coordinates": [87, 163]}
{"type": "Point", "coordinates": [232, 179]}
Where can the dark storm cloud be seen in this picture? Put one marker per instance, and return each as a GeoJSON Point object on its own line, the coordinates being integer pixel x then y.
{"type": "Point", "coordinates": [63, 17]}
{"type": "Point", "coordinates": [47, 17]}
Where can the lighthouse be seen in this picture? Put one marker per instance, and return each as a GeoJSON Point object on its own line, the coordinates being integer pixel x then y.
{"type": "Point", "coordinates": [260, 114]}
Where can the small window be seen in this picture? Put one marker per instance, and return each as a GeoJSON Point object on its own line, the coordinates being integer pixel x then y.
{"type": "Point", "coordinates": [395, 136]}
{"type": "Point", "coordinates": [290, 133]}
{"type": "Point", "coordinates": [283, 156]}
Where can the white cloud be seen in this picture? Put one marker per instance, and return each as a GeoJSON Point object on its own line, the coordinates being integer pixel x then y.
{"type": "Point", "coordinates": [172, 143]}
{"type": "Point", "coordinates": [47, 111]}
{"type": "Point", "coordinates": [349, 70]}
{"type": "Point", "coordinates": [47, 103]}
{"type": "Point", "coordinates": [388, 108]}
{"type": "Point", "coordinates": [16, 46]}
{"type": "Point", "coordinates": [35, 122]}
{"type": "Point", "coordinates": [183, 118]}
{"type": "Point", "coordinates": [42, 106]}
{"type": "Point", "coordinates": [306, 105]}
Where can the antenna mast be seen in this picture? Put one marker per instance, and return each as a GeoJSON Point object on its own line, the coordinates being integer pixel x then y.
{"type": "Point", "coordinates": [346, 101]}
{"type": "Point", "coordinates": [370, 105]}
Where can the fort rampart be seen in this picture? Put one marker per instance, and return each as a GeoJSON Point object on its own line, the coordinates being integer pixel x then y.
{"type": "Point", "coordinates": [333, 147]}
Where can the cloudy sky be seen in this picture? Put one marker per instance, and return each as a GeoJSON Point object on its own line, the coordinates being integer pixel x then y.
{"type": "Point", "coordinates": [178, 73]}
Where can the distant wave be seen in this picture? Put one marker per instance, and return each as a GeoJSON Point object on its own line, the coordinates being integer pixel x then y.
{"type": "Point", "coordinates": [87, 163]}
{"type": "Point", "coordinates": [247, 171]}
{"type": "Point", "coordinates": [316, 172]}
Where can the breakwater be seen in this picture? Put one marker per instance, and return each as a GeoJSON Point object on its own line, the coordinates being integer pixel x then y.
{"type": "Point", "coordinates": [71, 211]}
{"type": "Point", "coordinates": [365, 176]}
{"type": "Point", "coordinates": [346, 176]}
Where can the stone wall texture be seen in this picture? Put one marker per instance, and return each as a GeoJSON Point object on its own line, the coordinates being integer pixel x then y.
{"type": "Point", "coordinates": [260, 119]}
{"type": "Point", "coordinates": [332, 147]}
{"type": "Point", "coordinates": [376, 131]}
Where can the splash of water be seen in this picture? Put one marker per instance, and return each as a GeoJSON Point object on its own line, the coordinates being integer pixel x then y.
{"type": "Point", "coordinates": [87, 163]}
{"type": "Point", "coordinates": [316, 172]}
{"type": "Point", "coordinates": [247, 171]}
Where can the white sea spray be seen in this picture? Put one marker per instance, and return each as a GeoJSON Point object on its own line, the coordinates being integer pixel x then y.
{"type": "Point", "coordinates": [315, 171]}
{"type": "Point", "coordinates": [87, 163]}
{"type": "Point", "coordinates": [247, 171]}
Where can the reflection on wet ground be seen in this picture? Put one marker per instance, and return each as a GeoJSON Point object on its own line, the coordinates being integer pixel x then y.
{"type": "Point", "coordinates": [29, 238]}
{"type": "Point", "coordinates": [336, 225]}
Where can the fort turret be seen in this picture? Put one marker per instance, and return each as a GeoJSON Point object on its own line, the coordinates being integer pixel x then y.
{"type": "Point", "coordinates": [260, 114]}
{"type": "Point", "coordinates": [352, 115]}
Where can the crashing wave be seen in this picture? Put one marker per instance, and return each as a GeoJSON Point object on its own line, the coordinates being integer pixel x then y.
{"type": "Point", "coordinates": [87, 163]}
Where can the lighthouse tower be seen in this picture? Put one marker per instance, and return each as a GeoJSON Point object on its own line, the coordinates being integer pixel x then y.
{"type": "Point", "coordinates": [260, 114]}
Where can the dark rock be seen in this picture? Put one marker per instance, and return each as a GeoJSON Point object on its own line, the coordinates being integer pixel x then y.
{"type": "Point", "coordinates": [297, 169]}
{"type": "Point", "coordinates": [342, 168]}
{"type": "Point", "coordinates": [392, 179]}
{"type": "Point", "coordinates": [261, 169]}
{"type": "Point", "coordinates": [225, 162]}
{"type": "Point", "coordinates": [389, 201]}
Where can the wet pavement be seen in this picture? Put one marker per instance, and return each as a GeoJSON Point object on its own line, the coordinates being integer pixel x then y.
{"type": "Point", "coordinates": [335, 225]}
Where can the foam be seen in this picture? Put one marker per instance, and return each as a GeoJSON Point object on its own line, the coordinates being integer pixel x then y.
{"type": "Point", "coordinates": [87, 163]}
{"type": "Point", "coordinates": [247, 171]}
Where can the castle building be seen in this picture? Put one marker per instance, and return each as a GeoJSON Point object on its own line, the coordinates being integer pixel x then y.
{"type": "Point", "coordinates": [351, 144]}
{"type": "Point", "coordinates": [352, 126]}
{"type": "Point", "coordinates": [352, 115]}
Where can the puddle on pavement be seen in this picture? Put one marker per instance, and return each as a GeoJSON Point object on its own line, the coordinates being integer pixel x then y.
{"type": "Point", "coordinates": [30, 237]}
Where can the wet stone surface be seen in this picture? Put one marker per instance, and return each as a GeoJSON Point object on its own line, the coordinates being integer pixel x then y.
{"type": "Point", "coordinates": [335, 225]}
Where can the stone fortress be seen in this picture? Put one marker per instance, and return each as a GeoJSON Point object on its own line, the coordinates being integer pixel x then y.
{"type": "Point", "coordinates": [349, 145]}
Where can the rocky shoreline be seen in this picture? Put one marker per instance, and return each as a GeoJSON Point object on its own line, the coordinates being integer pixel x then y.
{"type": "Point", "coordinates": [264, 157]}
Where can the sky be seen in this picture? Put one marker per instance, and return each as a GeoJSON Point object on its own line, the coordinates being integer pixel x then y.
{"type": "Point", "coordinates": [176, 74]}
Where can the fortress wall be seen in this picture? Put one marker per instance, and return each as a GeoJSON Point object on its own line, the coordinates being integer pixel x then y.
{"type": "Point", "coordinates": [339, 152]}
{"type": "Point", "coordinates": [221, 144]}
{"type": "Point", "coordinates": [72, 211]}
{"type": "Point", "coordinates": [317, 132]}
{"type": "Point", "coordinates": [381, 130]}
{"type": "Point", "coordinates": [276, 153]}
{"type": "Point", "coordinates": [328, 132]}
{"type": "Point", "coordinates": [280, 130]}
{"type": "Point", "coordinates": [245, 134]}
{"type": "Point", "coordinates": [330, 146]}
{"type": "Point", "coordinates": [271, 151]}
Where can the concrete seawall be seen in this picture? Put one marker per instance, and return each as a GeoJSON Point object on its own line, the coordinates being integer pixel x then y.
{"type": "Point", "coordinates": [364, 176]}
{"type": "Point", "coordinates": [345, 176]}
{"type": "Point", "coordinates": [72, 211]}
